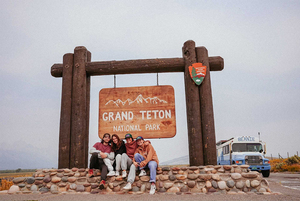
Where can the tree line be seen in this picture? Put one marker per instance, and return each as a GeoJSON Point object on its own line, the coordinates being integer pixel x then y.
{"type": "Point", "coordinates": [17, 170]}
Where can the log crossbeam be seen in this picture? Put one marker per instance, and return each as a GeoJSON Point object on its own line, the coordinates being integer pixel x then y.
{"type": "Point", "coordinates": [164, 65]}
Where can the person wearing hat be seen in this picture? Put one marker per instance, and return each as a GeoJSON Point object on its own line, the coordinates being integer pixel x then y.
{"type": "Point", "coordinates": [126, 160]}
{"type": "Point", "coordinates": [101, 158]}
{"type": "Point", "coordinates": [127, 157]}
{"type": "Point", "coordinates": [144, 156]}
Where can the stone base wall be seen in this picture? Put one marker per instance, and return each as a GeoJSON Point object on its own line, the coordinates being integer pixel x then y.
{"type": "Point", "coordinates": [228, 179]}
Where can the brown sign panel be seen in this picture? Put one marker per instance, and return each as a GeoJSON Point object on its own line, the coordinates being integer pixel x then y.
{"type": "Point", "coordinates": [141, 111]}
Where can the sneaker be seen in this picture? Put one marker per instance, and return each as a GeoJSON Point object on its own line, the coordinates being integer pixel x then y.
{"type": "Point", "coordinates": [128, 186]}
{"type": "Point", "coordinates": [102, 183]}
{"type": "Point", "coordinates": [111, 173]}
{"type": "Point", "coordinates": [124, 173]}
{"type": "Point", "coordinates": [152, 189]}
{"type": "Point", "coordinates": [117, 173]}
{"type": "Point", "coordinates": [91, 173]}
{"type": "Point", "coordinates": [142, 173]}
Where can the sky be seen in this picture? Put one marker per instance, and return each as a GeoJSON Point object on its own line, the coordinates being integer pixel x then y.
{"type": "Point", "coordinates": [258, 90]}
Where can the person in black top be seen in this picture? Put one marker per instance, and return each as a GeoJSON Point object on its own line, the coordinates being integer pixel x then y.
{"type": "Point", "coordinates": [118, 146]}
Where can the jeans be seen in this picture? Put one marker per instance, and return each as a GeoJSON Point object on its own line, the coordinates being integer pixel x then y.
{"type": "Point", "coordinates": [98, 163]}
{"type": "Point", "coordinates": [152, 165]}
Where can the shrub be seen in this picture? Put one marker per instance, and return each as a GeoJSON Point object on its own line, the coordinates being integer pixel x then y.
{"type": "Point", "coordinates": [293, 168]}
{"type": "Point", "coordinates": [280, 166]}
{"type": "Point", "coordinates": [291, 164]}
{"type": "Point", "coordinates": [5, 184]}
{"type": "Point", "coordinates": [293, 160]}
{"type": "Point", "coordinates": [275, 161]}
{"type": "Point", "coordinates": [6, 181]}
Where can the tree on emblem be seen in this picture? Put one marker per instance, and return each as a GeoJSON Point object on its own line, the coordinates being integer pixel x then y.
{"type": "Point", "coordinates": [197, 72]}
{"type": "Point", "coordinates": [194, 72]}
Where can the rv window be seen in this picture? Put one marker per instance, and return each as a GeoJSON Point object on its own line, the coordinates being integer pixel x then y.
{"type": "Point", "coordinates": [246, 147]}
{"type": "Point", "coordinates": [226, 149]}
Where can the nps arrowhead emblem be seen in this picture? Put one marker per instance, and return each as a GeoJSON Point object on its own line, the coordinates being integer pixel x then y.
{"type": "Point", "coordinates": [197, 72]}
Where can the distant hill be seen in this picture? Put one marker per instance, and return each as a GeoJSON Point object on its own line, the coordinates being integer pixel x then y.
{"type": "Point", "coordinates": [184, 160]}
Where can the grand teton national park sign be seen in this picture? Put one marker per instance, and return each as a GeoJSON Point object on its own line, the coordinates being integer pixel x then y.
{"type": "Point", "coordinates": [146, 111]}
{"type": "Point", "coordinates": [77, 70]}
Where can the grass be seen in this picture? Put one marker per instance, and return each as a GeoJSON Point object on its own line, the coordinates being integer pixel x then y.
{"type": "Point", "coordinates": [16, 174]}
{"type": "Point", "coordinates": [6, 178]}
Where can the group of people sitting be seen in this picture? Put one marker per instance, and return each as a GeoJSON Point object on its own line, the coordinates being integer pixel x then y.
{"type": "Point", "coordinates": [113, 156]}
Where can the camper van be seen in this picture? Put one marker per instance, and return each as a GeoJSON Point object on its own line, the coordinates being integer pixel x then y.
{"type": "Point", "coordinates": [244, 150]}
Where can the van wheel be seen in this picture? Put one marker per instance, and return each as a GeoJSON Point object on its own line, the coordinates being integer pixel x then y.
{"type": "Point", "coordinates": [265, 173]}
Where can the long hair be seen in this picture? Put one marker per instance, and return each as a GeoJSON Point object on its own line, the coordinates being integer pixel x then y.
{"type": "Point", "coordinates": [117, 146]}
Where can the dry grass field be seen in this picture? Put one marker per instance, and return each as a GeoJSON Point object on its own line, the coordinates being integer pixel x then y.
{"type": "Point", "coordinates": [6, 178]}
{"type": "Point", "coordinates": [291, 164]}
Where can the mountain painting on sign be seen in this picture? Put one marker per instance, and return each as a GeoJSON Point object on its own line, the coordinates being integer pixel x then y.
{"type": "Point", "coordinates": [139, 100]}
{"type": "Point", "coordinates": [146, 111]}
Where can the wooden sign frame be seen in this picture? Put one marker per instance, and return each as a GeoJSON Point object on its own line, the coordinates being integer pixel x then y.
{"type": "Point", "coordinates": [76, 71]}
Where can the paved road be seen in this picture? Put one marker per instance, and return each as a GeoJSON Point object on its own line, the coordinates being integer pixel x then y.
{"type": "Point", "coordinates": [286, 184]}
{"type": "Point", "coordinates": [287, 180]}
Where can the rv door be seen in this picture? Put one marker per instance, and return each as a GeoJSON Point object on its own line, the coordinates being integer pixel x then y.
{"type": "Point", "coordinates": [230, 153]}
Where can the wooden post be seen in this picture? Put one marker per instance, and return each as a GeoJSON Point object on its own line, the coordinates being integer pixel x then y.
{"type": "Point", "coordinates": [88, 89]}
{"type": "Point", "coordinates": [192, 107]}
{"type": "Point", "coordinates": [78, 154]}
{"type": "Point", "coordinates": [65, 113]}
{"type": "Point", "coordinates": [207, 114]}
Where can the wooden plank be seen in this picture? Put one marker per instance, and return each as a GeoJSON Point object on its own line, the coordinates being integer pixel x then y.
{"type": "Point", "coordinates": [207, 114]}
{"type": "Point", "coordinates": [138, 66]}
{"type": "Point", "coordinates": [65, 113]}
{"type": "Point", "coordinates": [192, 107]}
{"type": "Point", "coordinates": [79, 107]}
{"type": "Point", "coordinates": [142, 111]}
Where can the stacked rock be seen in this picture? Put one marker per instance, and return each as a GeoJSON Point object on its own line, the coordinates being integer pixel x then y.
{"type": "Point", "coordinates": [230, 179]}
